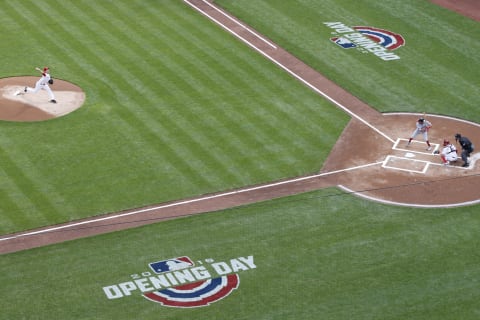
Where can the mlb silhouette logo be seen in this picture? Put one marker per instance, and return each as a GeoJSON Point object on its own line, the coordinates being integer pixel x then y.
{"type": "Point", "coordinates": [171, 264]}
{"type": "Point", "coordinates": [343, 42]}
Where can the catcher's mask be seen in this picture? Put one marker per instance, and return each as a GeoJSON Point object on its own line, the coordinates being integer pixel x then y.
{"type": "Point", "coordinates": [457, 136]}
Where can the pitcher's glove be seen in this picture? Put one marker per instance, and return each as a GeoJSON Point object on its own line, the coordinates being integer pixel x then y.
{"type": "Point", "coordinates": [436, 152]}
{"type": "Point", "coordinates": [50, 81]}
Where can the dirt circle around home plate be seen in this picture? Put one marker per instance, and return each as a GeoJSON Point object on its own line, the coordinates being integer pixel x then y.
{"type": "Point", "coordinates": [374, 161]}
{"type": "Point", "coordinates": [16, 105]}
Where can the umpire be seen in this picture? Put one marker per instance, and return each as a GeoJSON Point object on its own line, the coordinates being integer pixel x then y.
{"type": "Point", "coordinates": [467, 148]}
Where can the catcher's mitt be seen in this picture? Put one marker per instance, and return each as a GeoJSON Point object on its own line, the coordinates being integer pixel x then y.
{"type": "Point", "coordinates": [50, 81]}
{"type": "Point", "coordinates": [436, 152]}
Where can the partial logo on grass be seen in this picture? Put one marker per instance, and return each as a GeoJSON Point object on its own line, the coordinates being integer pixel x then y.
{"type": "Point", "coordinates": [366, 39]}
{"type": "Point", "coordinates": [179, 282]}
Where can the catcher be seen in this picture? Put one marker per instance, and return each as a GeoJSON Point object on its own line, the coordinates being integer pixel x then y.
{"type": "Point", "coordinates": [422, 127]}
{"type": "Point", "coordinates": [449, 153]}
{"type": "Point", "coordinates": [43, 83]}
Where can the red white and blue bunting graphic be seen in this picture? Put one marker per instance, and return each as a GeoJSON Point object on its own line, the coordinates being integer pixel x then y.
{"type": "Point", "coordinates": [196, 294]}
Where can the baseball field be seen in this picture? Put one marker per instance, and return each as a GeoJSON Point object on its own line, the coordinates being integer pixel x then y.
{"type": "Point", "coordinates": [180, 106]}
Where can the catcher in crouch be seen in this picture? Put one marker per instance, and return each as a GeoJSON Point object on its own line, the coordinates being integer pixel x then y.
{"type": "Point", "coordinates": [449, 152]}
{"type": "Point", "coordinates": [43, 83]}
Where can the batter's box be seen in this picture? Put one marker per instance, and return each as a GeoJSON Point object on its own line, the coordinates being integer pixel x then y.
{"type": "Point", "coordinates": [415, 146]}
{"type": "Point", "coordinates": [405, 164]}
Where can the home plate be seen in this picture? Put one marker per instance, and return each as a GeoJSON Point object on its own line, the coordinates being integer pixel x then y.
{"type": "Point", "coordinates": [409, 155]}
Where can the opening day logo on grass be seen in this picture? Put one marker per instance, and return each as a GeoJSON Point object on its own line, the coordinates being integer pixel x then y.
{"type": "Point", "coordinates": [179, 282]}
{"type": "Point", "coordinates": [380, 42]}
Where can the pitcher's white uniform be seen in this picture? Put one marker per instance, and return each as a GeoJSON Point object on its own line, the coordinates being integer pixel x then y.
{"type": "Point", "coordinates": [42, 83]}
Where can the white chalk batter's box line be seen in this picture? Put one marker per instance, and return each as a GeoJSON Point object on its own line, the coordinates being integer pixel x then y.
{"type": "Point", "coordinates": [390, 157]}
{"type": "Point", "coordinates": [404, 141]}
{"type": "Point", "coordinates": [425, 168]}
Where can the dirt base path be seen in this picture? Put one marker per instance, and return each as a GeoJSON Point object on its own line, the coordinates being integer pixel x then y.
{"type": "Point", "coordinates": [468, 8]}
{"type": "Point", "coordinates": [378, 166]}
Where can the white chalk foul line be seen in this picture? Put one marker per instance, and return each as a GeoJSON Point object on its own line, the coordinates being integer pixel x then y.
{"type": "Point", "coordinates": [185, 202]}
{"type": "Point", "coordinates": [298, 77]}
{"type": "Point", "coordinates": [237, 22]}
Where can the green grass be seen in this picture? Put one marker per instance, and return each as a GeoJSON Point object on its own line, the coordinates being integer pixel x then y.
{"type": "Point", "coordinates": [319, 255]}
{"type": "Point", "coordinates": [177, 107]}
{"type": "Point", "coordinates": [438, 69]}
{"type": "Point", "coordinates": [174, 108]}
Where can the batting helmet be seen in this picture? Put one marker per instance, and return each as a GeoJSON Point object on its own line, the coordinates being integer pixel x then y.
{"type": "Point", "coordinates": [445, 142]}
{"type": "Point", "coordinates": [421, 120]}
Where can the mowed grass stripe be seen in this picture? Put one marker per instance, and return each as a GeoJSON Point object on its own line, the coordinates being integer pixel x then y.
{"type": "Point", "coordinates": [69, 44]}
{"type": "Point", "coordinates": [192, 67]}
{"type": "Point", "coordinates": [130, 52]}
{"type": "Point", "coordinates": [105, 48]}
{"type": "Point", "coordinates": [110, 53]}
{"type": "Point", "coordinates": [166, 122]}
{"type": "Point", "coordinates": [443, 32]}
{"type": "Point", "coordinates": [23, 14]}
{"type": "Point", "coordinates": [16, 209]}
{"type": "Point", "coordinates": [130, 80]}
{"type": "Point", "coordinates": [181, 66]}
{"type": "Point", "coordinates": [257, 114]}
{"type": "Point", "coordinates": [190, 70]}
{"type": "Point", "coordinates": [170, 43]}
{"type": "Point", "coordinates": [447, 67]}
{"type": "Point", "coordinates": [211, 73]}
{"type": "Point", "coordinates": [122, 63]}
{"type": "Point", "coordinates": [27, 191]}
{"type": "Point", "coordinates": [249, 71]}
{"type": "Point", "coordinates": [229, 71]}
{"type": "Point", "coordinates": [31, 189]}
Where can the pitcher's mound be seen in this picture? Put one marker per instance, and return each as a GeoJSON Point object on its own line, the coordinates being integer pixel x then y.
{"type": "Point", "coordinates": [16, 105]}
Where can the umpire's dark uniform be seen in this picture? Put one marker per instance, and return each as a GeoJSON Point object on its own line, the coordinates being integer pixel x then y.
{"type": "Point", "coordinates": [467, 148]}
